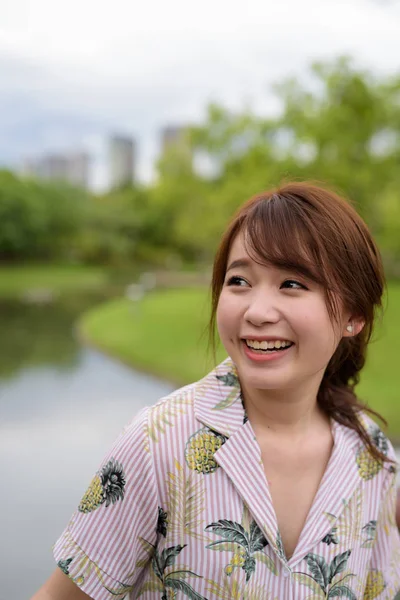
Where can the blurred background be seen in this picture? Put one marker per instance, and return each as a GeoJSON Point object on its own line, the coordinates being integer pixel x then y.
{"type": "Point", "coordinates": [129, 134]}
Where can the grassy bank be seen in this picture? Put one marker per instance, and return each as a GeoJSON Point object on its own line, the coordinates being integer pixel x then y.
{"type": "Point", "coordinates": [164, 335]}
{"type": "Point", "coordinates": [15, 281]}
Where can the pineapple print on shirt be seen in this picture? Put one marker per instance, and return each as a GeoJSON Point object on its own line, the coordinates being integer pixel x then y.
{"type": "Point", "coordinates": [375, 585]}
{"type": "Point", "coordinates": [200, 450]}
{"type": "Point", "coordinates": [107, 487]}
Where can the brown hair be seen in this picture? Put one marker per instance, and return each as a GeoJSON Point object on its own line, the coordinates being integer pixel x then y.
{"type": "Point", "coordinates": [311, 230]}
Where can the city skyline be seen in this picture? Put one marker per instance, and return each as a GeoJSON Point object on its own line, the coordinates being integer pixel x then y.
{"type": "Point", "coordinates": [74, 165]}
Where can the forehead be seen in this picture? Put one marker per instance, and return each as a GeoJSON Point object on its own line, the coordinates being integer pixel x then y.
{"type": "Point", "coordinates": [240, 257]}
{"type": "Point", "coordinates": [238, 248]}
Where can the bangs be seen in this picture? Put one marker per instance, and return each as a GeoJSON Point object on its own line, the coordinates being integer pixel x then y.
{"type": "Point", "coordinates": [280, 232]}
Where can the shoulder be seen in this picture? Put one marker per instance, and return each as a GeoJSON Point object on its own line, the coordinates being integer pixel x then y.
{"type": "Point", "coordinates": [176, 406]}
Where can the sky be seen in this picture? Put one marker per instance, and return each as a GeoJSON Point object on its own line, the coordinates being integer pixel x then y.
{"type": "Point", "coordinates": [73, 73]}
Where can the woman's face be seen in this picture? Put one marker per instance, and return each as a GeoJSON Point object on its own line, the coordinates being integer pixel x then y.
{"type": "Point", "coordinates": [274, 324]}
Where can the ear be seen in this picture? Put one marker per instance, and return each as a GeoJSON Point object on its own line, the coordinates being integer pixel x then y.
{"type": "Point", "coordinates": [353, 326]}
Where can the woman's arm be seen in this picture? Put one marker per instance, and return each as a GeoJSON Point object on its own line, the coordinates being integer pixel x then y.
{"type": "Point", "coordinates": [60, 587]}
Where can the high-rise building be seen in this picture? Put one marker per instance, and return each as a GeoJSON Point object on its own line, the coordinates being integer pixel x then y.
{"type": "Point", "coordinates": [78, 169]}
{"type": "Point", "coordinates": [122, 157]}
{"type": "Point", "coordinates": [72, 168]}
{"type": "Point", "coordinates": [174, 136]}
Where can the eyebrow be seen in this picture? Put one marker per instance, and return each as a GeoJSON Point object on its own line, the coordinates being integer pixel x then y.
{"type": "Point", "coordinates": [239, 263]}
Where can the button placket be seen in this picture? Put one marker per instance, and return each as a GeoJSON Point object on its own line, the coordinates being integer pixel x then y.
{"type": "Point", "coordinates": [286, 572]}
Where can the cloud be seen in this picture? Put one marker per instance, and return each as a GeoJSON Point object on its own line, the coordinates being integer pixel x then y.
{"type": "Point", "coordinates": [81, 69]}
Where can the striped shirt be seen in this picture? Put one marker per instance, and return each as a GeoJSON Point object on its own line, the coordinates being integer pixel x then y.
{"type": "Point", "coordinates": [181, 508]}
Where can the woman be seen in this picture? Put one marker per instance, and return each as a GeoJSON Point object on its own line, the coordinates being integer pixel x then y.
{"type": "Point", "coordinates": [267, 479]}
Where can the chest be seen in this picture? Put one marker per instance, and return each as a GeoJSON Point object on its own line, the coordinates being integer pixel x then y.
{"type": "Point", "coordinates": [293, 480]}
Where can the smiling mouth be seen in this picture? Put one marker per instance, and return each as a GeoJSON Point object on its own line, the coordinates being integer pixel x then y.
{"type": "Point", "coordinates": [269, 347]}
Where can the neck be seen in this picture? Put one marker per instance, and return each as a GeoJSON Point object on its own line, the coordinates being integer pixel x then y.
{"type": "Point", "coordinates": [289, 413]}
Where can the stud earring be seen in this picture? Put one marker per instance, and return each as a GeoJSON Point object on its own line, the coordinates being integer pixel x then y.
{"type": "Point", "coordinates": [349, 328]}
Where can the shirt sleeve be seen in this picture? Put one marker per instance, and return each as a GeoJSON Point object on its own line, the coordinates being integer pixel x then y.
{"type": "Point", "coordinates": [383, 580]}
{"type": "Point", "coordinates": [110, 538]}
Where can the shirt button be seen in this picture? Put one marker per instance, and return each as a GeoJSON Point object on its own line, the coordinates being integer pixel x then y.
{"type": "Point", "coordinates": [286, 573]}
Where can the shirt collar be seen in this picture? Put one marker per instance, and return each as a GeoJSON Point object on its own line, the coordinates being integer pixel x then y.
{"type": "Point", "coordinates": [218, 402]}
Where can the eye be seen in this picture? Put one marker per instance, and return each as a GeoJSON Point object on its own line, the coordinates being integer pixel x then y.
{"type": "Point", "coordinates": [292, 284]}
{"type": "Point", "coordinates": [236, 281]}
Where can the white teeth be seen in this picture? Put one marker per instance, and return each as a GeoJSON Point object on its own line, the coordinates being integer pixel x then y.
{"type": "Point", "coordinates": [264, 345]}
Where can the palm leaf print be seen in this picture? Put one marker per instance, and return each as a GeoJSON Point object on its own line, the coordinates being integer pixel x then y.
{"type": "Point", "coordinates": [369, 532]}
{"type": "Point", "coordinates": [162, 522]}
{"type": "Point", "coordinates": [186, 504]}
{"type": "Point", "coordinates": [230, 380]}
{"type": "Point", "coordinates": [228, 401]}
{"type": "Point", "coordinates": [387, 518]}
{"type": "Point", "coordinates": [342, 591]}
{"type": "Point", "coordinates": [149, 550]}
{"type": "Point", "coordinates": [319, 569]}
{"type": "Point", "coordinates": [248, 545]}
{"type": "Point", "coordinates": [234, 589]}
{"type": "Point", "coordinates": [279, 547]}
{"type": "Point", "coordinates": [224, 546]}
{"type": "Point", "coordinates": [64, 565]}
{"type": "Point", "coordinates": [168, 556]}
{"type": "Point", "coordinates": [310, 582]}
{"type": "Point", "coordinates": [231, 531]}
{"type": "Point", "coordinates": [257, 539]}
{"type": "Point", "coordinates": [267, 561]}
{"type": "Point", "coordinates": [246, 517]}
{"type": "Point", "coordinates": [323, 574]}
{"type": "Point", "coordinates": [331, 537]}
{"type": "Point", "coordinates": [174, 580]}
{"type": "Point", "coordinates": [163, 415]}
{"type": "Point", "coordinates": [338, 564]}
{"type": "Point", "coordinates": [347, 528]}
{"type": "Point", "coordinates": [230, 589]}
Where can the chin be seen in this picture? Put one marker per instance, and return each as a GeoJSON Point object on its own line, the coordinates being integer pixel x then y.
{"type": "Point", "coordinates": [262, 381]}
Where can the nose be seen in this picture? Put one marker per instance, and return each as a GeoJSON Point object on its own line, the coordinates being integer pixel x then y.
{"type": "Point", "coordinates": [262, 308]}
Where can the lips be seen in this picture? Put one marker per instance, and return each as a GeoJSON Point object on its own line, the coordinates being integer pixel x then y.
{"type": "Point", "coordinates": [264, 350]}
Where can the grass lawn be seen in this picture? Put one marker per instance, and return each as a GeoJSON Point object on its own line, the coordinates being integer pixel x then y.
{"type": "Point", "coordinates": [164, 335]}
{"type": "Point", "coordinates": [17, 280]}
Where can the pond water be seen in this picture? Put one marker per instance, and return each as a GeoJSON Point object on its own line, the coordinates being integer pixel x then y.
{"type": "Point", "coordinates": [61, 407]}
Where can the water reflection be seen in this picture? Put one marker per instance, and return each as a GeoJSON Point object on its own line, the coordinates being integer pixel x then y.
{"type": "Point", "coordinates": [34, 335]}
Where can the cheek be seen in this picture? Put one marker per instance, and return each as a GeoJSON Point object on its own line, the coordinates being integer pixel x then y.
{"type": "Point", "coordinates": [227, 314]}
{"type": "Point", "coordinates": [321, 332]}
{"type": "Point", "coordinates": [313, 318]}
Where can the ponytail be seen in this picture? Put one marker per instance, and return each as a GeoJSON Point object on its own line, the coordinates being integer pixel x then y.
{"type": "Point", "coordinates": [336, 395]}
